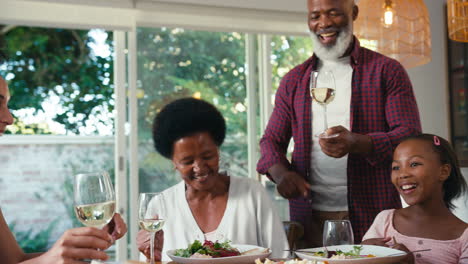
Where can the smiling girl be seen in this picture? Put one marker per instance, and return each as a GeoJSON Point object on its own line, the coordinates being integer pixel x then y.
{"type": "Point", "coordinates": [427, 175]}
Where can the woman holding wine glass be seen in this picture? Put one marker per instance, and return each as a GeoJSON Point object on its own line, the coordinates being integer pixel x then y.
{"type": "Point", "coordinates": [75, 244]}
{"type": "Point", "coordinates": [207, 204]}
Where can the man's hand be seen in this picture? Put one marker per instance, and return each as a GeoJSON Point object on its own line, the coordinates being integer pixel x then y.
{"type": "Point", "coordinates": [289, 183]}
{"type": "Point", "coordinates": [346, 142]}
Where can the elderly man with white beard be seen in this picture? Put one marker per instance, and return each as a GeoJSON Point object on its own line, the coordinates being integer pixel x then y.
{"type": "Point", "coordinates": [346, 176]}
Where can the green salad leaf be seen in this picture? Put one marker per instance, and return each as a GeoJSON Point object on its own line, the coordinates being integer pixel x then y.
{"type": "Point", "coordinates": [214, 249]}
{"type": "Point", "coordinates": [196, 246]}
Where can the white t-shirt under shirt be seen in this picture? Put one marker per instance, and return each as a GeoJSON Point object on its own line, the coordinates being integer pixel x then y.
{"type": "Point", "coordinates": [328, 177]}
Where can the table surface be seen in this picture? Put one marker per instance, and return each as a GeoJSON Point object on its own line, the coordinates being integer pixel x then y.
{"type": "Point", "coordinates": [141, 262]}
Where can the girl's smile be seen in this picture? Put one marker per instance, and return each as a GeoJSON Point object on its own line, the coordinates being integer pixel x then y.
{"type": "Point", "coordinates": [417, 172]}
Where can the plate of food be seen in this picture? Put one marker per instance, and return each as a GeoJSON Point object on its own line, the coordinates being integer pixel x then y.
{"type": "Point", "coordinates": [353, 254]}
{"type": "Point", "coordinates": [290, 261]}
{"type": "Point", "coordinates": [217, 252]}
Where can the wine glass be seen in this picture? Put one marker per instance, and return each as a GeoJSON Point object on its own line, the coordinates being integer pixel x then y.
{"type": "Point", "coordinates": [337, 232]}
{"type": "Point", "coordinates": [151, 215]}
{"type": "Point", "coordinates": [94, 199]}
{"type": "Point", "coordinates": [322, 90]}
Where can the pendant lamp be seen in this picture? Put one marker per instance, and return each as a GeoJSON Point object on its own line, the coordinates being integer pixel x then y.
{"type": "Point", "coordinates": [399, 29]}
{"type": "Point", "coordinates": [457, 20]}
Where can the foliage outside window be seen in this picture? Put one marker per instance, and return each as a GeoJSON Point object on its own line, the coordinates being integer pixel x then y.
{"type": "Point", "coordinates": [60, 80]}
{"type": "Point", "coordinates": [61, 84]}
{"type": "Point", "coordinates": [175, 63]}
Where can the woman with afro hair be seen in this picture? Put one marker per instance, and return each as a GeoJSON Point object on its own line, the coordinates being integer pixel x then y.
{"type": "Point", "coordinates": [207, 204]}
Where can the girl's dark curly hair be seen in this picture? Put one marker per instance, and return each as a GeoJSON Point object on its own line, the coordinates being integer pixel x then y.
{"type": "Point", "coordinates": [185, 117]}
{"type": "Point", "coordinates": [455, 185]}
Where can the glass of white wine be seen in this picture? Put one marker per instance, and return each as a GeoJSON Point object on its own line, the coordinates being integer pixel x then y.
{"type": "Point", "coordinates": [151, 216]}
{"type": "Point", "coordinates": [94, 199]}
{"type": "Point", "coordinates": [322, 90]}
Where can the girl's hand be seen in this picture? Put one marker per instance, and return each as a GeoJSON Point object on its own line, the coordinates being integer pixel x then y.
{"type": "Point", "coordinates": [377, 241]}
{"type": "Point", "coordinates": [410, 257]}
{"type": "Point", "coordinates": [143, 243]}
{"type": "Point", "coordinates": [76, 244]}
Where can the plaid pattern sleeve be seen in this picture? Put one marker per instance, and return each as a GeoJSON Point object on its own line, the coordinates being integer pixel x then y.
{"type": "Point", "coordinates": [283, 123]}
{"type": "Point", "coordinates": [401, 112]}
{"type": "Point", "coordinates": [274, 143]}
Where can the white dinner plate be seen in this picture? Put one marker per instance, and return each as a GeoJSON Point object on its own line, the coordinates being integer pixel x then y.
{"type": "Point", "coordinates": [383, 255]}
{"type": "Point", "coordinates": [225, 260]}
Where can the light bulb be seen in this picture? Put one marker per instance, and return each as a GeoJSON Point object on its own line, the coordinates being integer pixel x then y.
{"type": "Point", "coordinates": [388, 17]}
{"type": "Point", "coordinates": [388, 14]}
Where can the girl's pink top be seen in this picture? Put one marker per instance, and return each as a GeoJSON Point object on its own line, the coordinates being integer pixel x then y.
{"type": "Point", "coordinates": [442, 251]}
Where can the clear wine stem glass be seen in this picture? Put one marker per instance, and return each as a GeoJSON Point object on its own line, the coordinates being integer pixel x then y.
{"type": "Point", "coordinates": [337, 232]}
{"type": "Point", "coordinates": [322, 90]}
{"type": "Point", "coordinates": [94, 199]}
{"type": "Point", "coordinates": [150, 216]}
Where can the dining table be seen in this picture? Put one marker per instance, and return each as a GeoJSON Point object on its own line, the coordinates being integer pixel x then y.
{"type": "Point", "coordinates": [142, 262]}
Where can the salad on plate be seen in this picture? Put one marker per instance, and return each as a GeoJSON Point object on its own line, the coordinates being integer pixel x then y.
{"type": "Point", "coordinates": [354, 253]}
{"type": "Point", "coordinates": [218, 252]}
{"type": "Point", "coordinates": [208, 249]}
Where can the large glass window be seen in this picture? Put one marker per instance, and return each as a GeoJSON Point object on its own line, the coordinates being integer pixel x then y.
{"type": "Point", "coordinates": [175, 63]}
{"type": "Point", "coordinates": [62, 99]}
{"type": "Point", "coordinates": [62, 89]}
{"type": "Point", "coordinates": [286, 53]}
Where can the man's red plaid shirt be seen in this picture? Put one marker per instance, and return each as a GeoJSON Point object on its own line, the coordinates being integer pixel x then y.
{"type": "Point", "coordinates": [383, 106]}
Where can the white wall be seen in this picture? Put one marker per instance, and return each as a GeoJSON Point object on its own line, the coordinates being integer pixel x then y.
{"type": "Point", "coordinates": [430, 83]}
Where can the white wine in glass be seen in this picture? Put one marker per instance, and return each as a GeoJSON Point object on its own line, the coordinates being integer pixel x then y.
{"type": "Point", "coordinates": [322, 95]}
{"type": "Point", "coordinates": [322, 90]}
{"type": "Point", "coordinates": [95, 215]}
{"type": "Point", "coordinates": [94, 199]}
{"type": "Point", "coordinates": [150, 216]}
{"type": "Point", "coordinates": [152, 225]}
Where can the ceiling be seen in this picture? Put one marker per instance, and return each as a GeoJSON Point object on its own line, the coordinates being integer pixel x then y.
{"type": "Point", "coordinates": [267, 5]}
{"type": "Point", "coordinates": [277, 5]}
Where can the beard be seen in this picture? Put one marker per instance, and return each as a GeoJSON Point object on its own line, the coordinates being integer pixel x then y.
{"type": "Point", "coordinates": [336, 50]}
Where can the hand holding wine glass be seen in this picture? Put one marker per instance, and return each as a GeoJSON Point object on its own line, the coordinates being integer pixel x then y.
{"type": "Point", "coordinates": [322, 90]}
{"type": "Point", "coordinates": [150, 216]}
